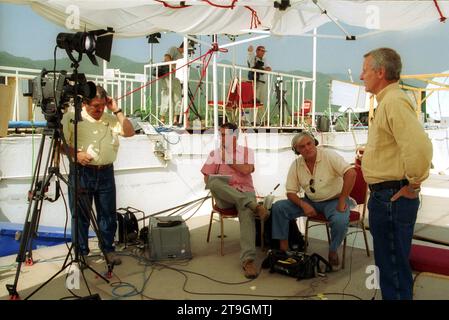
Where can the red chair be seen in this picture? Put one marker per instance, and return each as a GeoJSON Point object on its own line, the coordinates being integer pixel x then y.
{"type": "Point", "coordinates": [240, 96]}
{"type": "Point", "coordinates": [356, 218]}
{"type": "Point", "coordinates": [306, 108]}
{"type": "Point", "coordinates": [227, 214]}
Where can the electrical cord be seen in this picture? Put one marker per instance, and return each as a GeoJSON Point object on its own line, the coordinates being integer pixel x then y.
{"type": "Point", "coordinates": [350, 263]}
{"type": "Point", "coordinates": [184, 273]}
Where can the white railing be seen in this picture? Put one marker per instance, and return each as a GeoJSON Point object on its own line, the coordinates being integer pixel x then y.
{"type": "Point", "coordinates": [117, 85]}
{"type": "Point", "coordinates": [284, 94]}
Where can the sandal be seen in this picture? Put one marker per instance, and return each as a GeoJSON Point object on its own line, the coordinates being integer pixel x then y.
{"type": "Point", "coordinates": [333, 261]}
{"type": "Point", "coordinates": [261, 212]}
{"type": "Point", "coordinates": [250, 269]}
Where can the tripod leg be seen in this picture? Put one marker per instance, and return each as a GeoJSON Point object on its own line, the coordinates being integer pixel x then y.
{"type": "Point", "coordinates": [36, 196]}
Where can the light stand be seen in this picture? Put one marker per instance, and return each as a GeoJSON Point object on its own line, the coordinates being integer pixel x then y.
{"type": "Point", "coordinates": [280, 96]}
{"type": "Point", "coordinates": [152, 39]}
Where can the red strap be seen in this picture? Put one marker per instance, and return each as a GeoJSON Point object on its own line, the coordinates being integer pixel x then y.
{"type": "Point", "coordinates": [231, 6]}
{"type": "Point", "coordinates": [255, 22]}
{"type": "Point", "coordinates": [206, 61]}
{"type": "Point", "coordinates": [442, 18]}
{"type": "Point", "coordinates": [165, 75]}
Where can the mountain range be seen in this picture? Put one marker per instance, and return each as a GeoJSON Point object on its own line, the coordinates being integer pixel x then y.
{"type": "Point", "coordinates": [127, 65]}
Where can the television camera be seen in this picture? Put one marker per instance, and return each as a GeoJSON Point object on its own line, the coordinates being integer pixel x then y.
{"type": "Point", "coordinates": [51, 91]}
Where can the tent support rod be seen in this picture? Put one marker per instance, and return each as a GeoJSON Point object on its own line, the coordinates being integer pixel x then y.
{"type": "Point", "coordinates": [324, 11]}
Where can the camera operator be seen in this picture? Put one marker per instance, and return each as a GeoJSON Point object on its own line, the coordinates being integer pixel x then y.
{"type": "Point", "coordinates": [176, 53]}
{"type": "Point", "coordinates": [98, 143]}
{"type": "Point", "coordinates": [176, 91]}
{"type": "Point", "coordinates": [258, 61]}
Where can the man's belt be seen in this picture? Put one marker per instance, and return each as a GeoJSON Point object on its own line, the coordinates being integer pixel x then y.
{"type": "Point", "coordinates": [261, 81]}
{"type": "Point", "coordinates": [99, 167]}
{"type": "Point", "coordinates": [395, 184]}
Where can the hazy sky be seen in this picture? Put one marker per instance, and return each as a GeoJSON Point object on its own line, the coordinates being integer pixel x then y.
{"type": "Point", "coordinates": [425, 50]}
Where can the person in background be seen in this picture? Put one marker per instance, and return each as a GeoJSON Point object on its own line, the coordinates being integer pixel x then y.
{"type": "Point", "coordinates": [258, 61]}
{"type": "Point", "coordinates": [176, 53]}
{"type": "Point", "coordinates": [165, 92]}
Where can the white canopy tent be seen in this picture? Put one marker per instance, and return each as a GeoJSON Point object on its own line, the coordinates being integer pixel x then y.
{"type": "Point", "coordinates": [133, 18]}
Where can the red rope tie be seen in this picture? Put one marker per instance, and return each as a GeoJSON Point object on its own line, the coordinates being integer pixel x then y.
{"type": "Point", "coordinates": [255, 21]}
{"type": "Point", "coordinates": [206, 60]}
{"type": "Point", "coordinates": [442, 17]}
{"type": "Point", "coordinates": [231, 6]}
{"type": "Point", "coordinates": [172, 7]}
{"type": "Point", "coordinates": [164, 75]}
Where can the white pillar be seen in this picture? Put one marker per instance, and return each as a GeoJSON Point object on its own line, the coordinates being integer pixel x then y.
{"type": "Point", "coordinates": [185, 86]}
{"type": "Point", "coordinates": [215, 90]}
{"type": "Point", "coordinates": [314, 76]}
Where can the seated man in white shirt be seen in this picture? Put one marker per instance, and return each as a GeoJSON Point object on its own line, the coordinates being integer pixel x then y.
{"type": "Point", "coordinates": [327, 180]}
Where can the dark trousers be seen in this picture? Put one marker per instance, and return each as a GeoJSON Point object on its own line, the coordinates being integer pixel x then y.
{"type": "Point", "coordinates": [97, 185]}
{"type": "Point", "coordinates": [391, 225]}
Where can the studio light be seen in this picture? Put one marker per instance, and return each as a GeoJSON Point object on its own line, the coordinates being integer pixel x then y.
{"type": "Point", "coordinates": [153, 38]}
{"type": "Point", "coordinates": [93, 43]}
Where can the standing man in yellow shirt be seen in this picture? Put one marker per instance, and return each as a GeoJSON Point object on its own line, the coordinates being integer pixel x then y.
{"type": "Point", "coordinates": [396, 160]}
{"type": "Point", "coordinates": [98, 144]}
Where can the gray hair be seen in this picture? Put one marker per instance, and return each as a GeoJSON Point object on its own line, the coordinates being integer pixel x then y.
{"type": "Point", "coordinates": [389, 59]}
{"type": "Point", "coordinates": [299, 136]}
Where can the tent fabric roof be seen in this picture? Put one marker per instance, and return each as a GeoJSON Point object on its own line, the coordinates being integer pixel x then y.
{"type": "Point", "coordinates": [134, 18]}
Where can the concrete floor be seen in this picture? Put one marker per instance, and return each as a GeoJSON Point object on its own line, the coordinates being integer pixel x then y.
{"type": "Point", "coordinates": [210, 276]}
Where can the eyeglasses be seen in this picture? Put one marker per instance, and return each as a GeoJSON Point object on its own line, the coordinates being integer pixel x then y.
{"type": "Point", "coordinates": [97, 105]}
{"type": "Point", "coordinates": [311, 182]}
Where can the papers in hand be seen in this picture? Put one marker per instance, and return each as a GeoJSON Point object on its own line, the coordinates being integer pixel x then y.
{"type": "Point", "coordinates": [224, 178]}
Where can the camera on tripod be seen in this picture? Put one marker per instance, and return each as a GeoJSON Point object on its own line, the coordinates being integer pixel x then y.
{"type": "Point", "coordinates": [191, 47]}
{"type": "Point", "coordinates": [277, 87]}
{"type": "Point", "coordinates": [51, 91]}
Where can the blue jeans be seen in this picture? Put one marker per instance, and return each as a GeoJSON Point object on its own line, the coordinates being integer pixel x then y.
{"type": "Point", "coordinates": [391, 225]}
{"type": "Point", "coordinates": [284, 210]}
{"type": "Point", "coordinates": [98, 185]}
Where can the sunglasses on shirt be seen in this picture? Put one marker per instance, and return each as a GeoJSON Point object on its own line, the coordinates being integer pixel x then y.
{"type": "Point", "coordinates": [311, 182]}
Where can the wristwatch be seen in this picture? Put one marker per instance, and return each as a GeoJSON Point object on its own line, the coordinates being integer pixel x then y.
{"type": "Point", "coordinates": [415, 190]}
{"type": "Point", "coordinates": [118, 111]}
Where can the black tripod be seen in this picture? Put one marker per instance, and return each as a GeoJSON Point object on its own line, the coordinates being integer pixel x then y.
{"type": "Point", "coordinates": [281, 106]}
{"type": "Point", "coordinates": [50, 169]}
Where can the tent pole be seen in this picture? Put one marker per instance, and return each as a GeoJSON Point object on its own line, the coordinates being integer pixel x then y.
{"type": "Point", "coordinates": [215, 90]}
{"type": "Point", "coordinates": [185, 86]}
{"type": "Point", "coordinates": [314, 77]}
